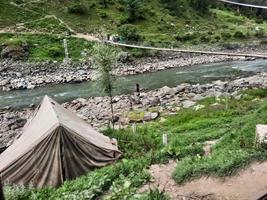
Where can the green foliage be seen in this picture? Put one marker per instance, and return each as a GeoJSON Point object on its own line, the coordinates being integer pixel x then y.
{"type": "Point", "coordinates": [104, 3]}
{"type": "Point", "coordinates": [260, 33]}
{"type": "Point", "coordinates": [47, 24]}
{"type": "Point", "coordinates": [155, 194]}
{"type": "Point", "coordinates": [186, 36]}
{"type": "Point", "coordinates": [134, 9]}
{"type": "Point", "coordinates": [105, 62]}
{"type": "Point", "coordinates": [176, 7]}
{"type": "Point", "coordinates": [105, 59]}
{"type": "Point", "coordinates": [42, 47]}
{"type": "Point", "coordinates": [239, 34]}
{"type": "Point", "coordinates": [200, 6]}
{"type": "Point", "coordinates": [251, 94]}
{"type": "Point", "coordinates": [103, 14]}
{"type": "Point", "coordinates": [236, 147]}
{"type": "Point", "coordinates": [55, 52]}
{"type": "Point", "coordinates": [79, 9]}
{"type": "Point", "coordinates": [129, 32]}
{"type": "Point", "coordinates": [156, 21]}
{"type": "Point", "coordinates": [15, 42]}
{"type": "Point", "coordinates": [226, 35]}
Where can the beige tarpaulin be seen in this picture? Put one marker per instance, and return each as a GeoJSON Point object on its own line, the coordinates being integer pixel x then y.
{"type": "Point", "coordinates": [56, 145]}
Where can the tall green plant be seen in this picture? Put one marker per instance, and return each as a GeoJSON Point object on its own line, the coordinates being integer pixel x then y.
{"type": "Point", "coordinates": [133, 9]}
{"type": "Point", "coordinates": [105, 60]}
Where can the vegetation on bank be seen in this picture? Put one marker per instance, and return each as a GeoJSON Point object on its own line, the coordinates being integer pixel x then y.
{"type": "Point", "coordinates": [48, 47]}
{"type": "Point", "coordinates": [232, 122]}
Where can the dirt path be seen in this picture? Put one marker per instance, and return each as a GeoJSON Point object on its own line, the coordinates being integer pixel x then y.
{"type": "Point", "coordinates": [249, 184]}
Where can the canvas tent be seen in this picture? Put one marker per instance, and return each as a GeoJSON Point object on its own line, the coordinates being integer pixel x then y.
{"type": "Point", "coordinates": [55, 145]}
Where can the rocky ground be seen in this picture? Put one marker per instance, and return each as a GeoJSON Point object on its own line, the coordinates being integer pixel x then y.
{"type": "Point", "coordinates": [135, 108]}
{"type": "Point", "coordinates": [26, 75]}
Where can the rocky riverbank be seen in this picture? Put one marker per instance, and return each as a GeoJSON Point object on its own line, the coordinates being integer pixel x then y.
{"type": "Point", "coordinates": [25, 75]}
{"type": "Point", "coordinates": [135, 108]}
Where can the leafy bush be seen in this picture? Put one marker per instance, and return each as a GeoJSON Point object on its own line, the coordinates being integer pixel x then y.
{"type": "Point", "coordinates": [217, 37]}
{"type": "Point", "coordinates": [55, 52]}
{"type": "Point", "coordinates": [256, 93]}
{"type": "Point", "coordinates": [103, 14]}
{"type": "Point", "coordinates": [155, 194]}
{"type": "Point", "coordinates": [226, 35]}
{"type": "Point", "coordinates": [78, 9]}
{"type": "Point", "coordinates": [129, 32]}
{"type": "Point", "coordinates": [263, 42]}
{"type": "Point", "coordinates": [260, 33]}
{"type": "Point", "coordinates": [134, 9]}
{"type": "Point", "coordinates": [186, 36]}
{"type": "Point", "coordinates": [239, 34]}
{"type": "Point", "coordinates": [205, 38]}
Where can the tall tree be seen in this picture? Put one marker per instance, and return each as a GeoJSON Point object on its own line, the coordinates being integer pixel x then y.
{"type": "Point", "coordinates": [105, 60]}
{"type": "Point", "coordinates": [175, 6]}
{"type": "Point", "coordinates": [133, 9]}
{"type": "Point", "coordinates": [104, 3]}
{"type": "Point", "coordinates": [202, 6]}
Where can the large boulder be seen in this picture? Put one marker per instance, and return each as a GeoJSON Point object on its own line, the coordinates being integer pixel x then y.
{"type": "Point", "coordinates": [167, 91]}
{"type": "Point", "coordinates": [150, 116]}
{"type": "Point", "coordinates": [188, 103]}
{"type": "Point", "coordinates": [15, 52]}
{"type": "Point", "coordinates": [261, 135]}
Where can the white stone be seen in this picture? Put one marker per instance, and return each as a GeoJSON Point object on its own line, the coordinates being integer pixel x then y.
{"type": "Point", "coordinates": [188, 103]}
{"type": "Point", "coordinates": [261, 135]}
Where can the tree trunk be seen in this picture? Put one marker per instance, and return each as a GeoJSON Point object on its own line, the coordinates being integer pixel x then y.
{"type": "Point", "coordinates": [112, 111]}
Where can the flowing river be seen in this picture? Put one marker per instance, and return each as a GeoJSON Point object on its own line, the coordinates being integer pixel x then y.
{"type": "Point", "coordinates": [171, 77]}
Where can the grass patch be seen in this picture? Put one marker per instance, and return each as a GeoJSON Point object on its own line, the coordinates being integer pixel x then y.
{"type": "Point", "coordinates": [48, 47]}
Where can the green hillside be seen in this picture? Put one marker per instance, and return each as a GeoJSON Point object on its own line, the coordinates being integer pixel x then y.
{"type": "Point", "coordinates": [154, 22]}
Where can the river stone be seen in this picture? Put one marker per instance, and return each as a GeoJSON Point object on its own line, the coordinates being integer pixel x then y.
{"type": "Point", "coordinates": [198, 97]}
{"type": "Point", "coordinates": [167, 91]}
{"type": "Point", "coordinates": [150, 116]}
{"type": "Point", "coordinates": [182, 87]}
{"type": "Point", "coordinates": [188, 104]}
{"type": "Point", "coordinates": [261, 135]}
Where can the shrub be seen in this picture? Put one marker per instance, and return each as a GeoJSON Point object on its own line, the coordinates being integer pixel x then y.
{"type": "Point", "coordinates": [259, 21]}
{"type": "Point", "coordinates": [19, 1]}
{"type": "Point", "coordinates": [217, 37]}
{"type": "Point", "coordinates": [79, 9]}
{"type": "Point", "coordinates": [260, 33]}
{"type": "Point", "coordinates": [239, 34]}
{"type": "Point", "coordinates": [226, 35]}
{"type": "Point", "coordinates": [103, 14]}
{"type": "Point", "coordinates": [263, 42]}
{"type": "Point", "coordinates": [55, 52]}
{"type": "Point", "coordinates": [205, 38]}
{"type": "Point", "coordinates": [186, 36]}
{"type": "Point", "coordinates": [129, 32]}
